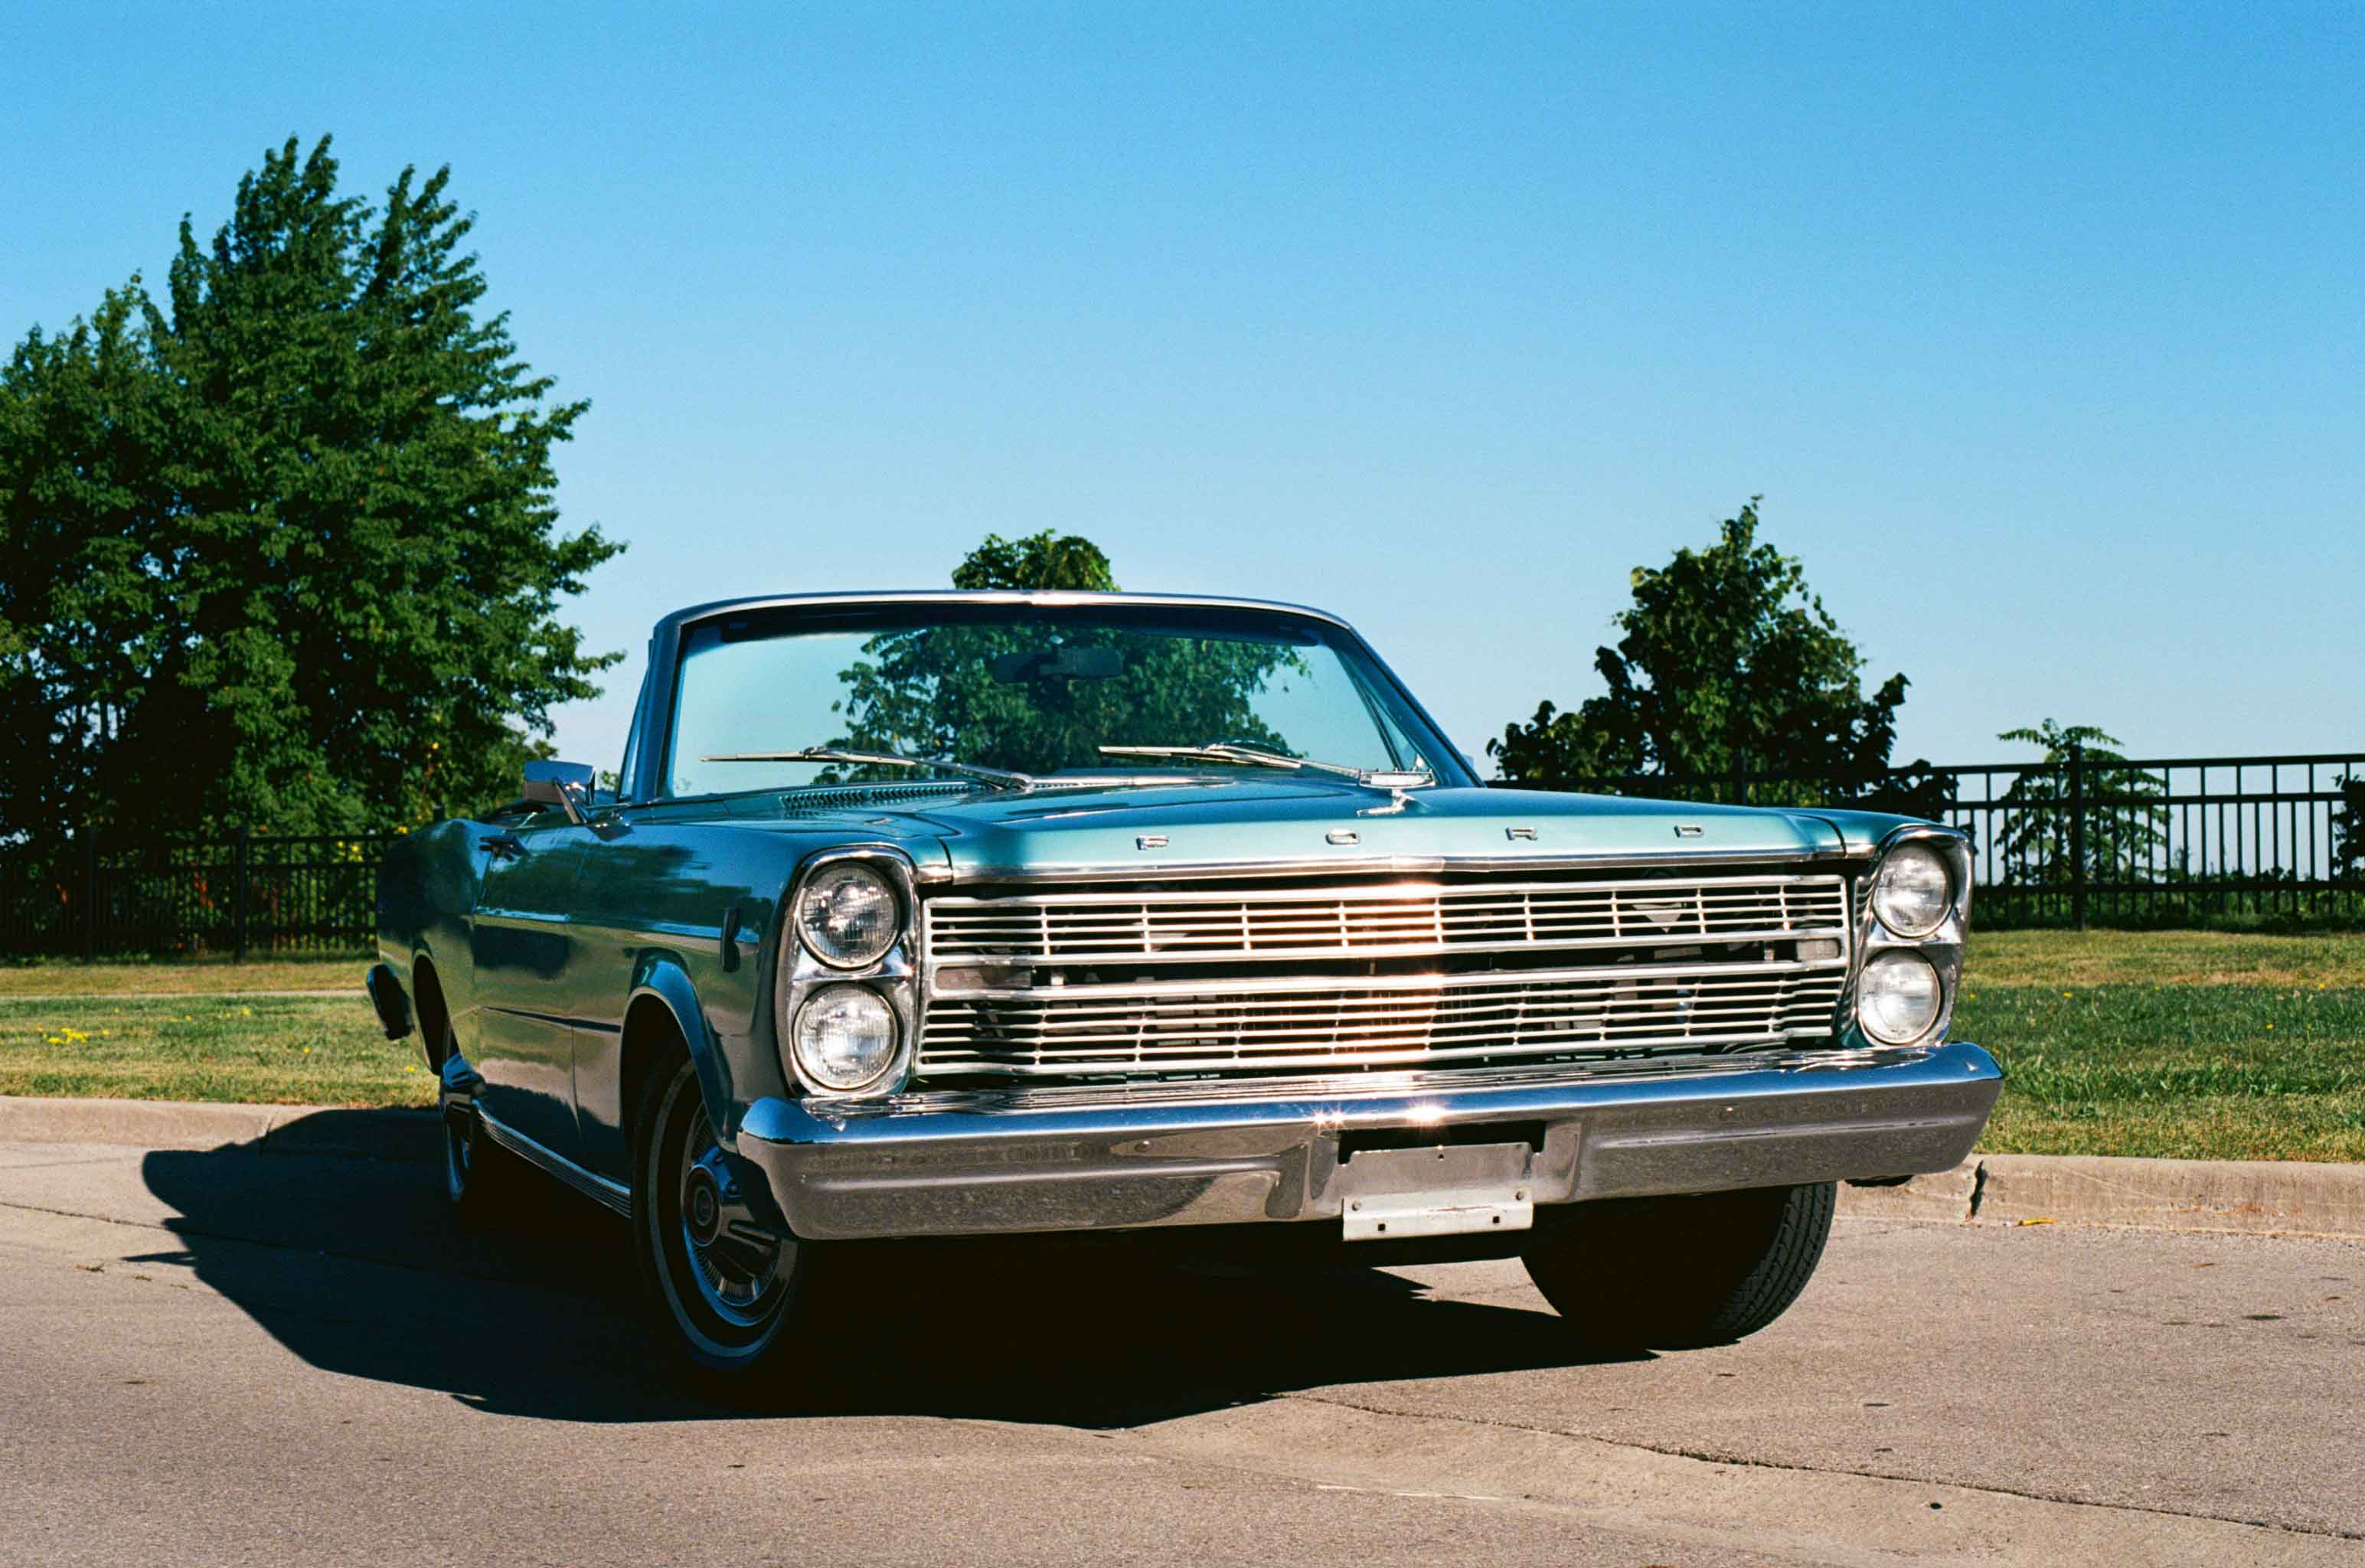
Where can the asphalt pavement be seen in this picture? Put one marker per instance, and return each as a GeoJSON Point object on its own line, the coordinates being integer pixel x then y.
{"type": "Point", "coordinates": [234, 1356]}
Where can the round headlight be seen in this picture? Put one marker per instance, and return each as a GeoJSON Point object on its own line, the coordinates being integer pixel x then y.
{"type": "Point", "coordinates": [846, 915]}
{"type": "Point", "coordinates": [1914, 889]}
{"type": "Point", "coordinates": [845, 1037]}
{"type": "Point", "coordinates": [1897, 997]}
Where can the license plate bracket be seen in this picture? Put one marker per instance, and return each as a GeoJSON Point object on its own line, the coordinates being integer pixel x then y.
{"type": "Point", "coordinates": [1388, 1194]}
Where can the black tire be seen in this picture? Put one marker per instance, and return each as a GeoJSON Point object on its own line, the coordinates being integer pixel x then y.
{"type": "Point", "coordinates": [727, 1303]}
{"type": "Point", "coordinates": [1677, 1273]}
{"type": "Point", "coordinates": [480, 1177]}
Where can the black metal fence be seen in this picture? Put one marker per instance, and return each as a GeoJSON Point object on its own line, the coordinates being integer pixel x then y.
{"type": "Point", "coordinates": [2158, 841]}
{"type": "Point", "coordinates": [93, 898]}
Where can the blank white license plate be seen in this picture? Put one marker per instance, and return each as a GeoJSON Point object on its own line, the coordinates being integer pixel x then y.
{"type": "Point", "coordinates": [1446, 1191]}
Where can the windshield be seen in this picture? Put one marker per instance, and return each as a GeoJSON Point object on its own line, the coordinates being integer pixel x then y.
{"type": "Point", "coordinates": [1036, 690]}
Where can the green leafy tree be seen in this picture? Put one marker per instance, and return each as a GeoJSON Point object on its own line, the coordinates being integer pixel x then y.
{"type": "Point", "coordinates": [1044, 561]}
{"type": "Point", "coordinates": [1021, 697]}
{"type": "Point", "coordinates": [2123, 826]}
{"type": "Point", "coordinates": [282, 551]}
{"type": "Point", "coordinates": [1727, 662]}
{"type": "Point", "coordinates": [2348, 831]}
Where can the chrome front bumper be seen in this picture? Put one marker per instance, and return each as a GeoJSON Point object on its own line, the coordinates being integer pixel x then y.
{"type": "Point", "coordinates": [980, 1165]}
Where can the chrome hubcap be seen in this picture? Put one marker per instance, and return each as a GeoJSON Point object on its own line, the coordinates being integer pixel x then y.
{"type": "Point", "coordinates": [735, 1262]}
{"type": "Point", "coordinates": [702, 1209]}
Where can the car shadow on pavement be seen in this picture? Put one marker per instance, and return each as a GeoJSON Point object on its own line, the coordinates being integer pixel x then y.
{"type": "Point", "coordinates": [357, 1266]}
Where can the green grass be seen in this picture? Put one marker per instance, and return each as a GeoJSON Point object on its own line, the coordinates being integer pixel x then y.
{"type": "Point", "coordinates": [114, 977]}
{"type": "Point", "coordinates": [2059, 958]}
{"type": "Point", "coordinates": [282, 1050]}
{"type": "Point", "coordinates": [2190, 1071]}
{"type": "Point", "coordinates": [2203, 1045]}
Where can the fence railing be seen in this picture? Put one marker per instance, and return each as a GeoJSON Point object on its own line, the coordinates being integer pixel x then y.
{"type": "Point", "coordinates": [95, 898]}
{"type": "Point", "coordinates": [2158, 841]}
{"type": "Point", "coordinates": [2143, 841]}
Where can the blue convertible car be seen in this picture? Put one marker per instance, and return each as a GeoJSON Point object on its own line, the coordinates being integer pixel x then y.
{"type": "Point", "coordinates": [926, 914]}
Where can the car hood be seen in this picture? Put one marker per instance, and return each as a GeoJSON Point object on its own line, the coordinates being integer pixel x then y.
{"type": "Point", "coordinates": [1142, 831]}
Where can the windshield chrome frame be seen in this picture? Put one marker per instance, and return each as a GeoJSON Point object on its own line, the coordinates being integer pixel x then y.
{"type": "Point", "coordinates": [650, 745]}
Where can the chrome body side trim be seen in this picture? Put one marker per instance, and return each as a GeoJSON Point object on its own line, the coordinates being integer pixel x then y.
{"type": "Point", "coordinates": [597, 1188]}
{"type": "Point", "coordinates": [984, 1164]}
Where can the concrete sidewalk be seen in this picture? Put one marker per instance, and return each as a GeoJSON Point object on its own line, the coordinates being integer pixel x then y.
{"type": "Point", "coordinates": [2254, 1197]}
{"type": "Point", "coordinates": [171, 1124]}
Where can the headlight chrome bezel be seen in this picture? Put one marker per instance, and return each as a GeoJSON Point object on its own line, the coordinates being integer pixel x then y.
{"type": "Point", "coordinates": [1939, 943]}
{"type": "Point", "coordinates": [822, 996]}
{"type": "Point", "coordinates": [1889, 958]}
{"type": "Point", "coordinates": [840, 872]}
{"type": "Point", "coordinates": [892, 974]}
{"type": "Point", "coordinates": [1914, 850]}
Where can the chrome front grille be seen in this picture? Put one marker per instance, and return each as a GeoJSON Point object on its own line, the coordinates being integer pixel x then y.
{"type": "Point", "coordinates": [1400, 975]}
{"type": "Point", "coordinates": [1296, 922]}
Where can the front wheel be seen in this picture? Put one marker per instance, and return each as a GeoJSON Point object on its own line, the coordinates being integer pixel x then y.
{"type": "Point", "coordinates": [728, 1286]}
{"type": "Point", "coordinates": [1676, 1273]}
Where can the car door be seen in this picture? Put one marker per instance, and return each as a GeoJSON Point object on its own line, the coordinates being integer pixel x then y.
{"type": "Point", "coordinates": [526, 957]}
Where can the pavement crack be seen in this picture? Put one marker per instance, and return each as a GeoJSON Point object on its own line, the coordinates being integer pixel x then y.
{"type": "Point", "coordinates": [1711, 1456]}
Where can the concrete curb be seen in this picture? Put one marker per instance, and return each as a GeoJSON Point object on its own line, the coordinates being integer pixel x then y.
{"type": "Point", "coordinates": [2259, 1197]}
{"type": "Point", "coordinates": [402, 1135]}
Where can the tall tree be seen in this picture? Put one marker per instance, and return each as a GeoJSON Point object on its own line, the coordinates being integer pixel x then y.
{"type": "Point", "coordinates": [1727, 660]}
{"type": "Point", "coordinates": [2123, 824]}
{"type": "Point", "coordinates": [311, 504]}
{"type": "Point", "coordinates": [1045, 560]}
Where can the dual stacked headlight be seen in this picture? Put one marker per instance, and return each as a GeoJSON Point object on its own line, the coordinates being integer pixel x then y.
{"type": "Point", "coordinates": [843, 1036]}
{"type": "Point", "coordinates": [1913, 937]}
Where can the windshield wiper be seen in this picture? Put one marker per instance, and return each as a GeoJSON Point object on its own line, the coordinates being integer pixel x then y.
{"type": "Point", "coordinates": [999, 778]}
{"type": "Point", "coordinates": [1250, 756]}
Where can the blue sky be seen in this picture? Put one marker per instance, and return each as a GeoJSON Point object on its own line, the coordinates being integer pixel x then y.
{"type": "Point", "coordinates": [2041, 328]}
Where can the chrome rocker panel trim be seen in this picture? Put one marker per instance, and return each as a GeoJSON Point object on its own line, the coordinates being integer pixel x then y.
{"type": "Point", "coordinates": [597, 1188]}
{"type": "Point", "coordinates": [843, 1172]}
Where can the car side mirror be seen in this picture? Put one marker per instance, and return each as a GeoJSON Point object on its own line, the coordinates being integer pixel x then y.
{"type": "Point", "coordinates": [566, 785]}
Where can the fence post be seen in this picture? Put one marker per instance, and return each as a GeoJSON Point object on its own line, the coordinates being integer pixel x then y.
{"type": "Point", "coordinates": [238, 901]}
{"type": "Point", "coordinates": [2077, 834]}
{"type": "Point", "coordinates": [1740, 779]}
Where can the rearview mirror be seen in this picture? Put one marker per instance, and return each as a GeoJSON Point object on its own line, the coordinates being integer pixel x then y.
{"type": "Point", "coordinates": [1058, 664]}
{"type": "Point", "coordinates": [566, 785]}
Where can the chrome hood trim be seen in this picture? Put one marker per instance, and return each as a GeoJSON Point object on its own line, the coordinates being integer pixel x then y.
{"type": "Point", "coordinates": [1387, 865]}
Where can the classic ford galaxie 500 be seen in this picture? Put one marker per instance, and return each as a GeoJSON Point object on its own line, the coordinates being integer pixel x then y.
{"type": "Point", "coordinates": [929, 914]}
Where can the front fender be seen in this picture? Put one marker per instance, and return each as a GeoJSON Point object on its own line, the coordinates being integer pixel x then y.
{"type": "Point", "coordinates": [661, 976]}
